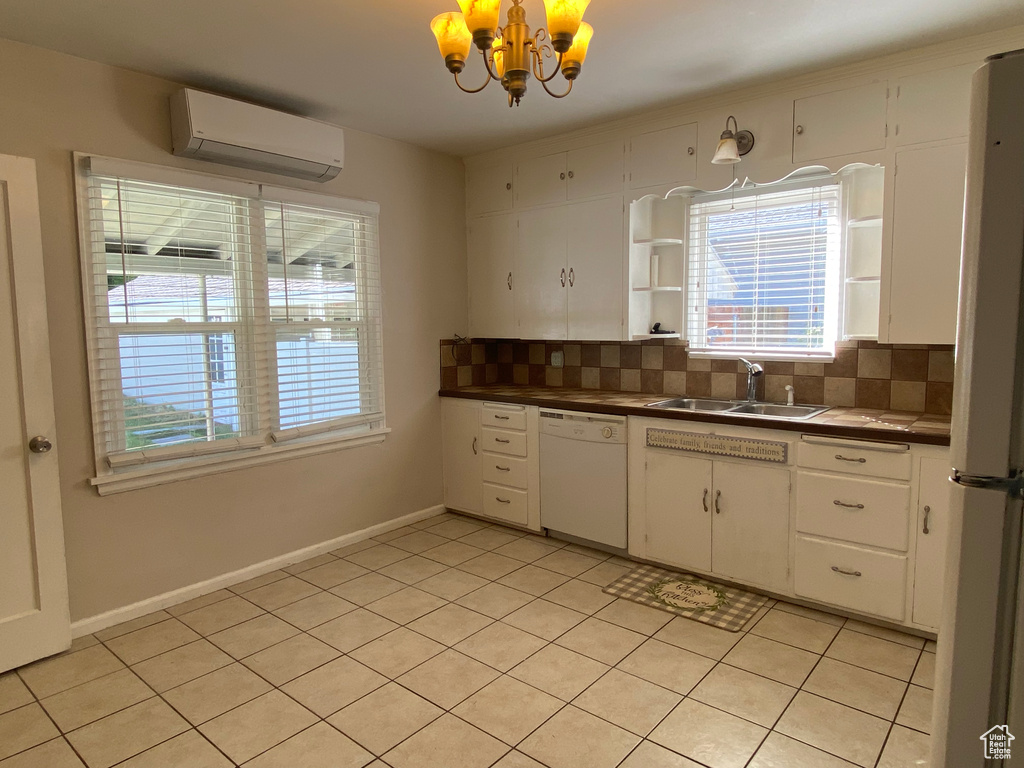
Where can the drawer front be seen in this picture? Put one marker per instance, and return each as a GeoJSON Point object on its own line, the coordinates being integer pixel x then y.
{"type": "Point", "coordinates": [852, 509]}
{"type": "Point", "coordinates": [501, 441]}
{"type": "Point", "coordinates": [504, 470]}
{"type": "Point", "coordinates": [506, 504]}
{"type": "Point", "coordinates": [828, 572]}
{"type": "Point", "coordinates": [503, 416]}
{"type": "Point", "coordinates": [855, 459]}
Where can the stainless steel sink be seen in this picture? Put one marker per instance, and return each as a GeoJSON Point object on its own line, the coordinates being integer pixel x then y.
{"type": "Point", "coordinates": [739, 408]}
{"type": "Point", "coordinates": [778, 411]}
{"type": "Point", "coordinates": [694, 404]}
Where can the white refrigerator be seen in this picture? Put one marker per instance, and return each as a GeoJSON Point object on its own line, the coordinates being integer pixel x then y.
{"type": "Point", "coordinates": [980, 667]}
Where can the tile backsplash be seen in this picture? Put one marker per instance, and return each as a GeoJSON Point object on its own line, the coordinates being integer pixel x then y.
{"type": "Point", "coordinates": [865, 374]}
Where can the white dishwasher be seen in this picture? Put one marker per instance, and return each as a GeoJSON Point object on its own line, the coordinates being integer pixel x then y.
{"type": "Point", "coordinates": [583, 475]}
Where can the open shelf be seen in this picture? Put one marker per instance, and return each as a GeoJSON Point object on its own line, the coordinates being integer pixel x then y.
{"type": "Point", "coordinates": [656, 288]}
{"type": "Point", "coordinates": [865, 221]}
{"type": "Point", "coordinates": [645, 336]}
{"type": "Point", "coordinates": [867, 279]}
{"type": "Point", "coordinates": [658, 241]}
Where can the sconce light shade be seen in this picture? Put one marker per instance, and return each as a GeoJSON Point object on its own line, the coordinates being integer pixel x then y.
{"type": "Point", "coordinates": [732, 146]}
{"type": "Point", "coordinates": [453, 37]}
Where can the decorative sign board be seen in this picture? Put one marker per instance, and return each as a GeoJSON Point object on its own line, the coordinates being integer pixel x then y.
{"type": "Point", "coordinates": [771, 451]}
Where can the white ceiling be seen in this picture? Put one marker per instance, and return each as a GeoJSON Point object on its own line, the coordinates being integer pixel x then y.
{"type": "Point", "coordinates": [374, 65]}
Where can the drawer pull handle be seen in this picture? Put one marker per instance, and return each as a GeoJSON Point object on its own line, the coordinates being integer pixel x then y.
{"type": "Point", "coordinates": [474, 446]}
{"type": "Point", "coordinates": [499, 440]}
{"type": "Point", "coordinates": [718, 508]}
{"type": "Point", "coordinates": [861, 460]}
{"type": "Point", "coordinates": [502, 469]}
{"type": "Point", "coordinates": [509, 501]}
{"type": "Point", "coordinates": [843, 571]}
{"type": "Point", "coordinates": [839, 503]}
{"type": "Point", "coordinates": [927, 512]}
{"type": "Point", "coordinates": [501, 418]}
{"type": "Point", "coordinates": [704, 501]}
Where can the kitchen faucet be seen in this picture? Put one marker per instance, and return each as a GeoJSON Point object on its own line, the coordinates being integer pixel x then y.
{"type": "Point", "coordinates": [753, 371]}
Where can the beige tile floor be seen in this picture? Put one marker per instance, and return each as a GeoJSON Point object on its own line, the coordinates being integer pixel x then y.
{"type": "Point", "coordinates": [457, 644]}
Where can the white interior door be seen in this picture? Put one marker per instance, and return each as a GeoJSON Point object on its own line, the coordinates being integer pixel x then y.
{"type": "Point", "coordinates": [34, 619]}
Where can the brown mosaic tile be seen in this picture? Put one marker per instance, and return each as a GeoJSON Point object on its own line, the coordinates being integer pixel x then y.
{"type": "Point", "coordinates": [629, 356]}
{"type": "Point", "coordinates": [775, 387]}
{"type": "Point", "coordinates": [520, 374]}
{"type": "Point", "coordinates": [465, 375]}
{"type": "Point", "coordinates": [505, 352]}
{"type": "Point", "coordinates": [809, 389]}
{"type": "Point", "coordinates": [724, 385]}
{"type": "Point", "coordinates": [940, 365]}
{"type": "Point", "coordinates": [675, 383]}
{"type": "Point", "coordinates": [572, 376]}
{"type": "Point", "coordinates": [590, 378]}
{"type": "Point", "coordinates": [675, 358]}
{"type": "Point", "coordinates": [449, 378]}
{"type": "Point", "coordinates": [590, 356]}
{"type": "Point", "coordinates": [652, 381]}
{"type": "Point", "coordinates": [521, 354]}
{"type": "Point", "coordinates": [698, 383]}
{"type": "Point", "coordinates": [463, 354]}
{"type": "Point", "coordinates": [907, 395]}
{"type": "Point", "coordinates": [550, 348]}
{"type": "Point", "coordinates": [874, 363]}
{"type": "Point", "coordinates": [629, 379]}
{"type": "Point", "coordinates": [939, 397]}
{"type": "Point", "coordinates": [779, 368]}
{"type": "Point", "coordinates": [910, 365]}
{"type": "Point", "coordinates": [652, 358]}
{"type": "Point", "coordinates": [553, 377]}
{"type": "Point", "coordinates": [538, 354]}
{"type": "Point", "coordinates": [610, 378]}
{"type": "Point", "coordinates": [723, 366]}
{"type": "Point", "coordinates": [845, 365]}
{"type": "Point", "coordinates": [610, 355]}
{"type": "Point", "coordinates": [873, 393]}
{"type": "Point", "coordinates": [478, 374]}
{"type": "Point", "coordinates": [573, 355]}
{"type": "Point", "coordinates": [538, 378]}
{"type": "Point", "coordinates": [478, 354]}
{"type": "Point", "coordinates": [840, 392]}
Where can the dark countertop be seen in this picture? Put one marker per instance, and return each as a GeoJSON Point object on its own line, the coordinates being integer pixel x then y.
{"type": "Point", "coordinates": [862, 423]}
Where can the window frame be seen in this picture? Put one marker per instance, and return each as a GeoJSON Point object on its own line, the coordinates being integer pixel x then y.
{"type": "Point", "coordinates": [122, 471]}
{"type": "Point", "coordinates": [803, 179]}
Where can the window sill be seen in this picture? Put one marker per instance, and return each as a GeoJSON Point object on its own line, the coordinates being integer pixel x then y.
{"type": "Point", "coordinates": [184, 469]}
{"type": "Point", "coordinates": [761, 356]}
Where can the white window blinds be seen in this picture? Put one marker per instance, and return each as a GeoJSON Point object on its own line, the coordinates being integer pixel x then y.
{"type": "Point", "coordinates": [220, 321]}
{"type": "Point", "coordinates": [764, 273]}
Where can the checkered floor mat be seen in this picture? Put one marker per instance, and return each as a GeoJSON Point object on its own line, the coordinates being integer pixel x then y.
{"type": "Point", "coordinates": [686, 595]}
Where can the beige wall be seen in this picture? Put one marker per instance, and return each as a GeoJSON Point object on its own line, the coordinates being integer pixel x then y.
{"type": "Point", "coordinates": [131, 546]}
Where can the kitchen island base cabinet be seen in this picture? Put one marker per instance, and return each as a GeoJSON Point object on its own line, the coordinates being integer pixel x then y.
{"type": "Point", "coordinates": [726, 518]}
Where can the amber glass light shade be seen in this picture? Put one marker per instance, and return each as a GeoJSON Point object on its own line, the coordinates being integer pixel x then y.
{"type": "Point", "coordinates": [498, 54]}
{"type": "Point", "coordinates": [564, 16]}
{"type": "Point", "coordinates": [481, 14]}
{"type": "Point", "coordinates": [727, 151]}
{"type": "Point", "coordinates": [453, 37]}
{"type": "Point", "coordinates": [580, 43]}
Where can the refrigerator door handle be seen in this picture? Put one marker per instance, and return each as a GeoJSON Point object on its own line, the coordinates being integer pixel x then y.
{"type": "Point", "coordinates": [1012, 485]}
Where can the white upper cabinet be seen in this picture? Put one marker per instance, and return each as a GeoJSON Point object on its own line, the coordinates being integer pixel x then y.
{"type": "Point", "coordinates": [668, 156]}
{"type": "Point", "coordinates": [568, 271]}
{"type": "Point", "coordinates": [924, 267]}
{"type": "Point", "coordinates": [491, 248]}
{"type": "Point", "coordinates": [931, 106]}
{"type": "Point", "coordinates": [840, 123]}
{"type": "Point", "coordinates": [596, 264]}
{"type": "Point", "coordinates": [586, 172]}
{"type": "Point", "coordinates": [489, 187]}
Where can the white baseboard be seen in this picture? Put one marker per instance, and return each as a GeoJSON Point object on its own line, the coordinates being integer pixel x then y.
{"type": "Point", "coordinates": [143, 607]}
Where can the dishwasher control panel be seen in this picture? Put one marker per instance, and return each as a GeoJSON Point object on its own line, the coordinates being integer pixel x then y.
{"type": "Point", "coordinates": [572, 425]}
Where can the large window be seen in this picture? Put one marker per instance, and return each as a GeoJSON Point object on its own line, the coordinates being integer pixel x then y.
{"type": "Point", "coordinates": [226, 317]}
{"type": "Point", "coordinates": [765, 272]}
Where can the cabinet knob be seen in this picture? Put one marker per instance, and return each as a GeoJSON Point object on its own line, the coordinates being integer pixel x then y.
{"type": "Point", "coordinates": [799, 130]}
{"type": "Point", "coordinates": [508, 186]}
{"type": "Point", "coordinates": [572, 277]}
{"type": "Point", "coordinates": [40, 444]}
{"type": "Point", "coordinates": [572, 175]}
{"type": "Point", "coordinates": [561, 176]}
{"type": "Point", "coordinates": [563, 278]}
{"type": "Point", "coordinates": [689, 150]}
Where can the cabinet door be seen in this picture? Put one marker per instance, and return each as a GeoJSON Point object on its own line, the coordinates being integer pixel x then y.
{"type": "Point", "coordinates": [668, 156]}
{"type": "Point", "coordinates": [932, 533]}
{"type": "Point", "coordinates": [678, 490]}
{"type": "Point", "coordinates": [491, 244]}
{"type": "Point", "coordinates": [595, 170]}
{"type": "Point", "coordinates": [924, 273]}
{"type": "Point", "coordinates": [839, 123]}
{"type": "Point", "coordinates": [933, 105]}
{"type": "Point", "coordinates": [541, 276]}
{"type": "Point", "coordinates": [460, 446]}
{"type": "Point", "coordinates": [489, 188]}
{"type": "Point", "coordinates": [751, 524]}
{"type": "Point", "coordinates": [595, 259]}
{"type": "Point", "coordinates": [540, 180]}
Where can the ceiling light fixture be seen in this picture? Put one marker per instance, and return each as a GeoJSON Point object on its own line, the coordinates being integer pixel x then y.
{"type": "Point", "coordinates": [510, 53]}
{"type": "Point", "coordinates": [732, 146]}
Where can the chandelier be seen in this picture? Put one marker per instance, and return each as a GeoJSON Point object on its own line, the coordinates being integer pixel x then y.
{"type": "Point", "coordinates": [510, 53]}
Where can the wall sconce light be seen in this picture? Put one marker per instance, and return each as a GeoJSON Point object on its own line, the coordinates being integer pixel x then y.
{"type": "Point", "coordinates": [733, 145]}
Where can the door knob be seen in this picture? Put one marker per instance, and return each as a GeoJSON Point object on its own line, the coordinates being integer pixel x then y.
{"type": "Point", "coordinates": [40, 444]}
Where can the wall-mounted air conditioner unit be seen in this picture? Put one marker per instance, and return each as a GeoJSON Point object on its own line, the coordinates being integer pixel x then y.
{"type": "Point", "coordinates": [210, 127]}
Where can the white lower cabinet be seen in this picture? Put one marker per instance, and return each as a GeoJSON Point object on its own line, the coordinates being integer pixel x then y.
{"type": "Point", "coordinates": [865, 522]}
{"type": "Point", "coordinates": [721, 517]}
{"type": "Point", "coordinates": [489, 452]}
{"type": "Point", "coordinates": [932, 533]}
